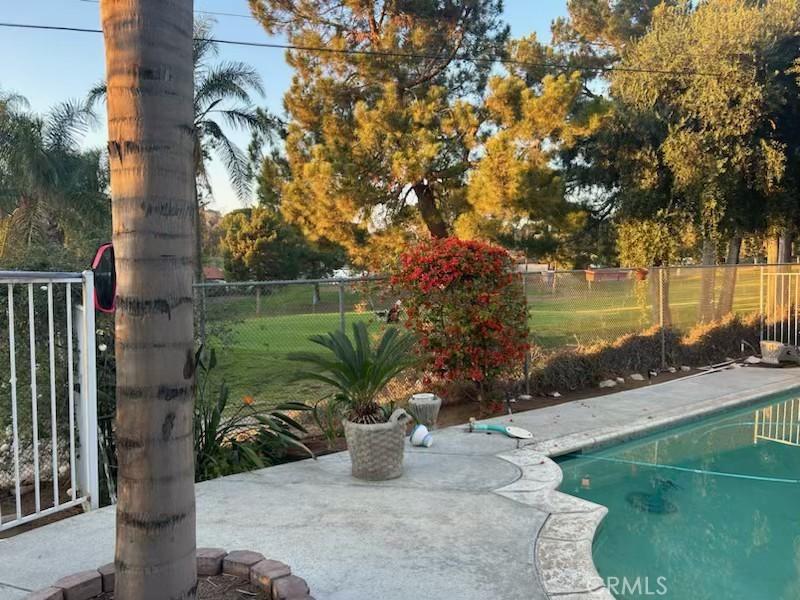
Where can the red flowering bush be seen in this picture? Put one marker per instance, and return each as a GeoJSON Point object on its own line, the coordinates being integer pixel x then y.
{"type": "Point", "coordinates": [467, 308]}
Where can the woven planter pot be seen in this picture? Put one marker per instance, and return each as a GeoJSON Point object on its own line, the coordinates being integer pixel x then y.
{"type": "Point", "coordinates": [376, 451]}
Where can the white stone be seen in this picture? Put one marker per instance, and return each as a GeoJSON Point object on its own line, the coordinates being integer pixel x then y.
{"type": "Point", "coordinates": [672, 369]}
{"type": "Point", "coordinates": [686, 368]}
{"type": "Point", "coordinates": [525, 397]}
{"type": "Point", "coordinates": [620, 380]}
{"type": "Point", "coordinates": [752, 360]}
{"type": "Point", "coordinates": [554, 394]}
{"type": "Point", "coordinates": [608, 383]}
{"type": "Point", "coordinates": [636, 377]}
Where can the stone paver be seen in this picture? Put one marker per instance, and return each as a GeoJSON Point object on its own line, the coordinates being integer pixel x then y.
{"type": "Point", "coordinates": [209, 561]}
{"type": "Point", "coordinates": [475, 516]}
{"type": "Point", "coordinates": [107, 573]}
{"type": "Point", "coordinates": [266, 572]}
{"type": "Point", "coordinates": [81, 586]}
{"type": "Point", "coordinates": [51, 593]}
{"type": "Point", "coordinates": [238, 563]}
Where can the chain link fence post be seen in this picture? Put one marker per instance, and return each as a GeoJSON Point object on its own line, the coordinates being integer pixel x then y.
{"type": "Point", "coordinates": [341, 308]}
{"type": "Point", "coordinates": [526, 367]}
{"type": "Point", "coordinates": [202, 316]}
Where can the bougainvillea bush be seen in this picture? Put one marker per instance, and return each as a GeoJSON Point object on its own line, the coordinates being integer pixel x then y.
{"type": "Point", "coordinates": [467, 308]}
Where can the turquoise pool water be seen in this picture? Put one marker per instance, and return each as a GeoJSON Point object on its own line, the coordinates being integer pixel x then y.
{"type": "Point", "coordinates": [712, 508]}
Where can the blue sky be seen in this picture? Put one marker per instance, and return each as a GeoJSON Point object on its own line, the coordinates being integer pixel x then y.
{"type": "Point", "coordinates": [47, 67]}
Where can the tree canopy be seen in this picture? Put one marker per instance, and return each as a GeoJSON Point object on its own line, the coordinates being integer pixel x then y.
{"type": "Point", "coordinates": [258, 244]}
{"type": "Point", "coordinates": [379, 146]}
{"type": "Point", "coordinates": [54, 204]}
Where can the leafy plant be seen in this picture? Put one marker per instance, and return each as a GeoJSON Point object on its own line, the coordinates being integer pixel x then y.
{"type": "Point", "coordinates": [357, 370]}
{"type": "Point", "coordinates": [328, 418]}
{"type": "Point", "coordinates": [468, 309]}
{"type": "Point", "coordinates": [244, 439]}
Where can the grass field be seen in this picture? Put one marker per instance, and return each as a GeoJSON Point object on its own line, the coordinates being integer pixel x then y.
{"type": "Point", "coordinates": [252, 348]}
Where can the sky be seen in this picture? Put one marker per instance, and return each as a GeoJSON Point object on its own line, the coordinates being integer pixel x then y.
{"type": "Point", "coordinates": [47, 67]}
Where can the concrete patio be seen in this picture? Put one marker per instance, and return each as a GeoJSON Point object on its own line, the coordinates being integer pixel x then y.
{"type": "Point", "coordinates": [472, 517]}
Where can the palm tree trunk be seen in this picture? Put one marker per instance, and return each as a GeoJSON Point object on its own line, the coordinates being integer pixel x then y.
{"type": "Point", "coordinates": [149, 72]}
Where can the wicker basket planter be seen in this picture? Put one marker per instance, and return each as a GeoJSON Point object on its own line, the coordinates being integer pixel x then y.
{"type": "Point", "coordinates": [376, 450]}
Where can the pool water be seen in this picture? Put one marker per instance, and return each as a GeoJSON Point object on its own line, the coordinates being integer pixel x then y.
{"type": "Point", "coordinates": [706, 511]}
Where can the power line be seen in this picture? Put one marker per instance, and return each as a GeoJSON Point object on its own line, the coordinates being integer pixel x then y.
{"type": "Point", "coordinates": [397, 54]}
{"type": "Point", "coordinates": [199, 12]}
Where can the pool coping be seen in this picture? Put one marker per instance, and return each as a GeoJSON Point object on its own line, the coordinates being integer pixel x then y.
{"type": "Point", "coordinates": [562, 553]}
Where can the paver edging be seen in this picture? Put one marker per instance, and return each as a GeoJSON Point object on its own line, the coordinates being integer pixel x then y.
{"type": "Point", "coordinates": [266, 574]}
{"type": "Point", "coordinates": [562, 551]}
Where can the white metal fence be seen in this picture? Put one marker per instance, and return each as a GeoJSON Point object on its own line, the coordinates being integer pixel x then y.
{"type": "Point", "coordinates": [48, 402]}
{"type": "Point", "coordinates": [780, 305]}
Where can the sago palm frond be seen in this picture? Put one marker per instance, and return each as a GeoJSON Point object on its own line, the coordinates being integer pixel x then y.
{"type": "Point", "coordinates": [355, 368]}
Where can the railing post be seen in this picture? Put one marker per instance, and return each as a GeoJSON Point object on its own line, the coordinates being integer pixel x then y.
{"type": "Point", "coordinates": [88, 477]}
{"type": "Point", "coordinates": [761, 301]}
{"type": "Point", "coordinates": [341, 308]}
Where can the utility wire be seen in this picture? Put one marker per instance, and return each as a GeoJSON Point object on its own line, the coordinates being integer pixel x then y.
{"type": "Point", "coordinates": [397, 54]}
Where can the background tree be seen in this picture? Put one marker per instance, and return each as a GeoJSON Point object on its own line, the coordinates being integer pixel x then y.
{"type": "Point", "coordinates": [730, 142]}
{"type": "Point", "coordinates": [516, 190]}
{"type": "Point", "coordinates": [54, 209]}
{"type": "Point", "coordinates": [150, 124]}
{"type": "Point", "coordinates": [258, 244]}
{"type": "Point", "coordinates": [379, 146]}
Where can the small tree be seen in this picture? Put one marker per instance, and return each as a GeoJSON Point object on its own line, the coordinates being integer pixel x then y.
{"type": "Point", "coordinates": [258, 244]}
{"type": "Point", "coordinates": [467, 307]}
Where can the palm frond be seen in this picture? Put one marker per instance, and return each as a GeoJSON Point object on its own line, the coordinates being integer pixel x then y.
{"type": "Point", "coordinates": [355, 368]}
{"type": "Point", "coordinates": [232, 157]}
{"type": "Point", "coordinates": [66, 123]}
{"type": "Point", "coordinates": [203, 45]}
{"type": "Point", "coordinates": [97, 93]}
{"type": "Point", "coordinates": [229, 80]}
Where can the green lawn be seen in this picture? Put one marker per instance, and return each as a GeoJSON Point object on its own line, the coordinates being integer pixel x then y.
{"type": "Point", "coordinates": [252, 349]}
{"type": "Point", "coordinates": [252, 354]}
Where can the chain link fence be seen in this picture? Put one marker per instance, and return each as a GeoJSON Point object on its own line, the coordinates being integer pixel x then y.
{"type": "Point", "coordinates": [253, 326]}
{"type": "Point", "coordinates": [573, 308]}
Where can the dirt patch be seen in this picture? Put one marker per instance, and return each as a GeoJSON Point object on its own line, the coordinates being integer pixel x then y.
{"type": "Point", "coordinates": [219, 587]}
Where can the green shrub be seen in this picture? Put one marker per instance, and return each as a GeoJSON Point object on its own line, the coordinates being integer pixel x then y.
{"type": "Point", "coordinates": [243, 439]}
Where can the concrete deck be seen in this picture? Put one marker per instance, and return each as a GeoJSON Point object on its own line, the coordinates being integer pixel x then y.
{"type": "Point", "coordinates": [472, 517]}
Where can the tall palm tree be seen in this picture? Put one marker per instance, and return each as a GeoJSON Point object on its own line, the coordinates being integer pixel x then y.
{"type": "Point", "coordinates": [150, 121]}
{"type": "Point", "coordinates": [50, 189]}
{"type": "Point", "coordinates": [224, 93]}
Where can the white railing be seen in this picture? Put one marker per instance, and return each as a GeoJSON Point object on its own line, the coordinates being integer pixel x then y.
{"type": "Point", "coordinates": [59, 333]}
{"type": "Point", "coordinates": [780, 306]}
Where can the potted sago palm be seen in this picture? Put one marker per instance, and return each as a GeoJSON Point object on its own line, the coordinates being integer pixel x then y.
{"type": "Point", "coordinates": [358, 371]}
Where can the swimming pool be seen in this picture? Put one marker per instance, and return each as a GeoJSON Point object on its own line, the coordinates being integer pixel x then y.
{"type": "Point", "coordinates": [710, 510]}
